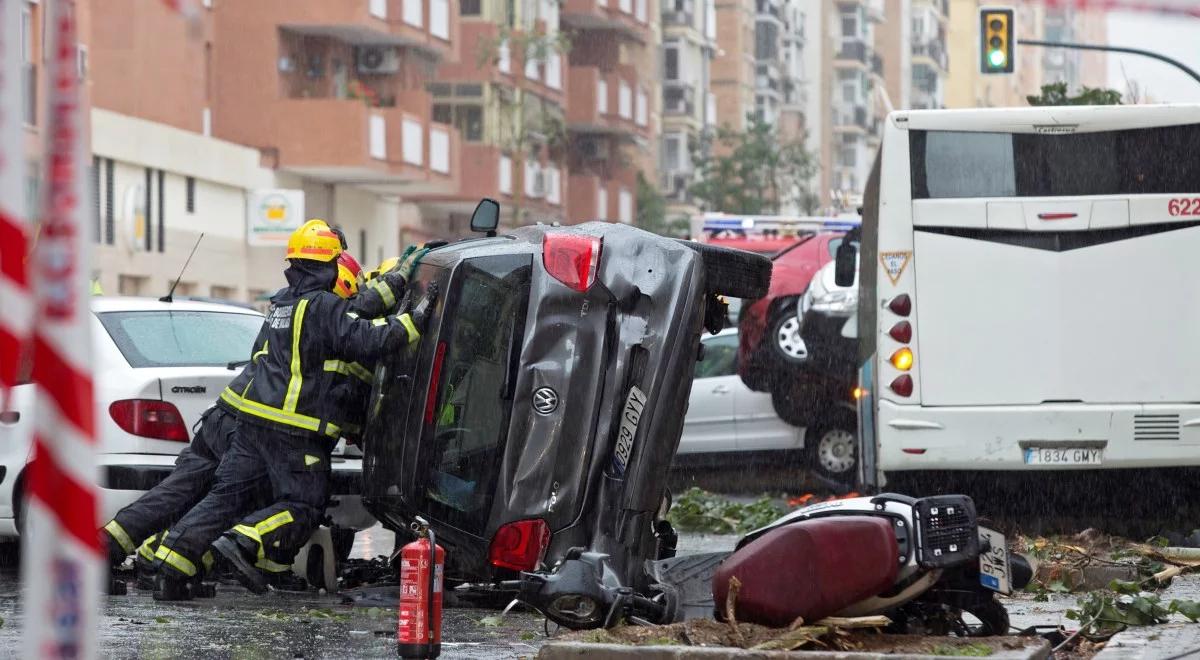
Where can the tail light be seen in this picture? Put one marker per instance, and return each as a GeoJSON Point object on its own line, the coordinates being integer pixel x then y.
{"type": "Point", "coordinates": [903, 385]}
{"type": "Point", "coordinates": [435, 377]}
{"type": "Point", "coordinates": [901, 332]}
{"type": "Point", "coordinates": [149, 418]}
{"type": "Point", "coordinates": [902, 359]}
{"type": "Point", "coordinates": [520, 545]}
{"type": "Point", "coordinates": [571, 259]}
{"type": "Point", "coordinates": [901, 305]}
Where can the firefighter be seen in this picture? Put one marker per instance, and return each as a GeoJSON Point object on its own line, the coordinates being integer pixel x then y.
{"type": "Point", "coordinates": [286, 427]}
{"type": "Point", "coordinates": [133, 526]}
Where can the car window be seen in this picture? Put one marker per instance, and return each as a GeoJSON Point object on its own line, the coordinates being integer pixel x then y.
{"type": "Point", "coordinates": [489, 298]}
{"type": "Point", "coordinates": [720, 357]}
{"type": "Point", "coordinates": [182, 338]}
{"type": "Point", "coordinates": [835, 243]}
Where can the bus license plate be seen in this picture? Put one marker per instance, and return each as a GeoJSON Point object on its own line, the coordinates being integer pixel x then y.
{"type": "Point", "coordinates": [1064, 456]}
{"type": "Point", "coordinates": [993, 564]}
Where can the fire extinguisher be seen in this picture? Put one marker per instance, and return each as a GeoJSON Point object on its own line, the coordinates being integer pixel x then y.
{"type": "Point", "coordinates": [419, 624]}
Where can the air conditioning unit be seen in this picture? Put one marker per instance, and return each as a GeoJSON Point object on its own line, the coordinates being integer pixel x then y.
{"type": "Point", "coordinates": [593, 148]}
{"type": "Point", "coordinates": [377, 59]}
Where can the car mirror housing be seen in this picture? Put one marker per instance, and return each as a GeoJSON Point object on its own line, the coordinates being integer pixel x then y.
{"type": "Point", "coordinates": [486, 217]}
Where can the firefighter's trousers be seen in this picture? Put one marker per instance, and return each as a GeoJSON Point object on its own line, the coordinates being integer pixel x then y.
{"type": "Point", "coordinates": [297, 469]}
{"type": "Point", "coordinates": [182, 489]}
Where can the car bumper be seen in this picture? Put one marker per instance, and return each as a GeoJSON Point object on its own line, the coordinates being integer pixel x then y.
{"type": "Point", "coordinates": [995, 438]}
{"type": "Point", "coordinates": [125, 478]}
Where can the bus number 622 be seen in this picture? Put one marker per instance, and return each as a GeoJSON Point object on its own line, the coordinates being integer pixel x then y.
{"type": "Point", "coordinates": [1184, 206]}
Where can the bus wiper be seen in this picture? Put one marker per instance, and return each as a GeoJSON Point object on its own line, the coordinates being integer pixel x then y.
{"type": "Point", "coordinates": [237, 364]}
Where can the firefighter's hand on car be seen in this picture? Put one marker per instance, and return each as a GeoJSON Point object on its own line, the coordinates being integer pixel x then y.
{"type": "Point", "coordinates": [411, 259]}
{"type": "Point", "coordinates": [424, 308]}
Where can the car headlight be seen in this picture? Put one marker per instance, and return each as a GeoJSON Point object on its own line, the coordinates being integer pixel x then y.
{"type": "Point", "coordinates": [836, 302]}
{"type": "Point", "coordinates": [805, 303]}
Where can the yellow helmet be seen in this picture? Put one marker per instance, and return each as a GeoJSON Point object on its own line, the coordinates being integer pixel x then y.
{"type": "Point", "coordinates": [349, 275]}
{"type": "Point", "coordinates": [385, 266]}
{"type": "Point", "coordinates": [314, 240]}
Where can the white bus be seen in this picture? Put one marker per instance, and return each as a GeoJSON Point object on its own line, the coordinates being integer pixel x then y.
{"type": "Point", "coordinates": [1030, 291]}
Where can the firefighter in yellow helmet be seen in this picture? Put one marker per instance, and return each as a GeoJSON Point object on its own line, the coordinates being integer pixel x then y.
{"type": "Point", "coordinates": [287, 425]}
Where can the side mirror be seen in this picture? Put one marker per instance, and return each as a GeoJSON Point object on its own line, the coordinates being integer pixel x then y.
{"type": "Point", "coordinates": [846, 258]}
{"type": "Point", "coordinates": [486, 217]}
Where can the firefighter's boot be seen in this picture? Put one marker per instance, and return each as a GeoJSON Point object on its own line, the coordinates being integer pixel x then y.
{"type": "Point", "coordinates": [171, 588]}
{"type": "Point", "coordinates": [236, 555]}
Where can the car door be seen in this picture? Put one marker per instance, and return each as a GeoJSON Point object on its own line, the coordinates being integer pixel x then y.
{"type": "Point", "coordinates": [709, 426]}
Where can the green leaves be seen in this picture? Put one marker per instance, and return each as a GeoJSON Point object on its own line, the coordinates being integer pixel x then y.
{"type": "Point", "coordinates": [700, 511]}
{"type": "Point", "coordinates": [1058, 94]}
{"type": "Point", "coordinates": [1107, 612]}
{"type": "Point", "coordinates": [755, 171]}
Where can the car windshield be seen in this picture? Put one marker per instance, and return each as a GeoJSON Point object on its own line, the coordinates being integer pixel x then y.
{"type": "Point", "coordinates": [181, 338]}
{"type": "Point", "coordinates": [474, 367]}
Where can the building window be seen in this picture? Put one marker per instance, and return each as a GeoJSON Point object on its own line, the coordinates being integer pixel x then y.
{"type": "Point", "coordinates": [467, 118]}
{"type": "Point", "coordinates": [671, 63]}
{"type": "Point", "coordinates": [28, 67]}
{"type": "Point", "coordinates": [470, 8]}
{"type": "Point", "coordinates": [97, 225]}
{"type": "Point", "coordinates": [110, 221]}
{"type": "Point", "coordinates": [850, 26]}
{"type": "Point", "coordinates": [162, 223]}
{"type": "Point", "coordinates": [131, 285]}
{"type": "Point", "coordinates": [222, 292]}
{"type": "Point", "coordinates": [191, 194]}
{"type": "Point", "coordinates": [671, 150]}
{"type": "Point", "coordinates": [362, 242]}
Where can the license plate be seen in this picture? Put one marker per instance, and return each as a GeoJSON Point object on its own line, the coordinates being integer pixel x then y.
{"type": "Point", "coordinates": [631, 416]}
{"type": "Point", "coordinates": [993, 564]}
{"type": "Point", "coordinates": [1063, 456]}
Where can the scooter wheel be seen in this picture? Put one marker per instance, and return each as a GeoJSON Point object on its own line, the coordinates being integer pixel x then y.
{"type": "Point", "coordinates": [993, 619]}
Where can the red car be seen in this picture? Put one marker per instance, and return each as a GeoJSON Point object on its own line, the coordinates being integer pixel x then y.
{"type": "Point", "coordinates": [769, 341]}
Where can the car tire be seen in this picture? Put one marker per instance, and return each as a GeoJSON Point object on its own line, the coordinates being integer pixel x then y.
{"type": "Point", "coordinates": [733, 273]}
{"type": "Point", "coordinates": [783, 333]}
{"type": "Point", "coordinates": [832, 446]}
{"type": "Point", "coordinates": [787, 405]}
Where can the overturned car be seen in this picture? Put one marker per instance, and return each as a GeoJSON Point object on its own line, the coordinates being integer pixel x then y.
{"type": "Point", "coordinates": [537, 418]}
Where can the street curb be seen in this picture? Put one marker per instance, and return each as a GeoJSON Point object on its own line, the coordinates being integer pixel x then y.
{"type": "Point", "coordinates": [573, 650]}
{"type": "Point", "coordinates": [1145, 642]}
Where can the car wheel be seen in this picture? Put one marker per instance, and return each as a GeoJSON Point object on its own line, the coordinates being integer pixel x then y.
{"type": "Point", "coordinates": [788, 404]}
{"type": "Point", "coordinates": [833, 447]}
{"type": "Point", "coordinates": [786, 343]}
{"type": "Point", "coordinates": [733, 273]}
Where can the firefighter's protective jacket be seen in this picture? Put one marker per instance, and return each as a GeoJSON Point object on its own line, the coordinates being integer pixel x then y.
{"type": "Point", "coordinates": [289, 385]}
{"type": "Point", "coordinates": [376, 300]}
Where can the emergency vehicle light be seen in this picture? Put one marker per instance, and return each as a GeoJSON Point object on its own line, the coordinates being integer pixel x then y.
{"type": "Point", "coordinates": [902, 359]}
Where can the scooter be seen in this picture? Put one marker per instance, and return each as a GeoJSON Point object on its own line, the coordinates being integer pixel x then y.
{"type": "Point", "coordinates": [924, 563]}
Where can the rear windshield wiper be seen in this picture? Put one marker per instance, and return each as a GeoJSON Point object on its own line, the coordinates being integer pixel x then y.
{"type": "Point", "coordinates": [237, 364]}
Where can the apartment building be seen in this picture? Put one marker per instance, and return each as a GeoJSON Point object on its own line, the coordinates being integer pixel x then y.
{"type": "Point", "coordinates": [689, 106]}
{"type": "Point", "coordinates": [614, 91]}
{"type": "Point", "coordinates": [930, 59]}
{"type": "Point", "coordinates": [733, 69]}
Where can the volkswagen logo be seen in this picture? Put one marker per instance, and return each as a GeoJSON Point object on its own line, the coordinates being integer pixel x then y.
{"type": "Point", "coordinates": [545, 400]}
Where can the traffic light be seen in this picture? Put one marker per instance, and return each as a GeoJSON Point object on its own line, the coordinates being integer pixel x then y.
{"type": "Point", "coordinates": [997, 41]}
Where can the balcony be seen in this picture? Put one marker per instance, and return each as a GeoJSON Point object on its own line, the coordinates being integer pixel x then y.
{"type": "Point", "coordinates": [876, 64]}
{"type": "Point", "coordinates": [426, 25]}
{"type": "Point", "coordinates": [672, 18]}
{"type": "Point", "coordinates": [679, 99]}
{"type": "Point", "coordinates": [607, 102]}
{"type": "Point", "coordinates": [770, 10]}
{"type": "Point", "coordinates": [853, 52]}
{"type": "Point", "coordinates": [629, 17]}
{"type": "Point", "coordinates": [347, 141]}
{"type": "Point", "coordinates": [851, 119]}
{"type": "Point", "coordinates": [931, 53]}
{"type": "Point", "coordinates": [489, 172]}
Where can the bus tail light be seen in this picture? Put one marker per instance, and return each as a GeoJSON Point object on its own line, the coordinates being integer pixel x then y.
{"type": "Point", "coordinates": [902, 359]}
{"type": "Point", "coordinates": [901, 305]}
{"type": "Point", "coordinates": [571, 259]}
{"type": "Point", "coordinates": [903, 385]}
{"type": "Point", "coordinates": [911, 450]}
{"type": "Point", "coordinates": [901, 332]}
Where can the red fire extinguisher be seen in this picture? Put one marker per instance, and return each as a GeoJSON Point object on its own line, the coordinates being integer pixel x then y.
{"type": "Point", "coordinates": [419, 625]}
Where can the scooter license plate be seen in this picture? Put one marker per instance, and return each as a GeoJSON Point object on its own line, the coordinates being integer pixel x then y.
{"type": "Point", "coordinates": [994, 569]}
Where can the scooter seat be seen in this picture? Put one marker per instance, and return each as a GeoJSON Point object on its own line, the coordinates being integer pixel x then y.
{"type": "Point", "coordinates": [809, 569]}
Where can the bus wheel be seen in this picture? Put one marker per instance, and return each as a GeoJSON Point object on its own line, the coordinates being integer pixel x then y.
{"type": "Point", "coordinates": [832, 446]}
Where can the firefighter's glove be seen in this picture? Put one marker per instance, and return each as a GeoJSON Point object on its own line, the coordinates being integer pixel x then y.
{"type": "Point", "coordinates": [410, 260]}
{"type": "Point", "coordinates": [424, 308]}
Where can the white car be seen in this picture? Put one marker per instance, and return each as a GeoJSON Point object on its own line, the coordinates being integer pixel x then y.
{"type": "Point", "coordinates": [724, 416]}
{"type": "Point", "coordinates": [157, 366]}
